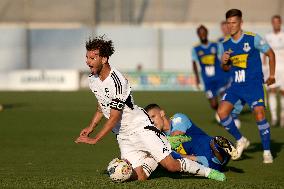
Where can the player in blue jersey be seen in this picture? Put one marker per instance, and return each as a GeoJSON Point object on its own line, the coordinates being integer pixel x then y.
{"type": "Point", "coordinates": [213, 152]}
{"type": "Point", "coordinates": [214, 78]}
{"type": "Point", "coordinates": [242, 56]}
{"type": "Point", "coordinates": [238, 107]}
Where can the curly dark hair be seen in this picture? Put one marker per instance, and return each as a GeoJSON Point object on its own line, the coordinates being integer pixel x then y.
{"type": "Point", "coordinates": [201, 27]}
{"type": "Point", "coordinates": [104, 46]}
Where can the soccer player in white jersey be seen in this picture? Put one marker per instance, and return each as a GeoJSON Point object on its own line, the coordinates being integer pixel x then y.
{"type": "Point", "coordinates": [136, 134]}
{"type": "Point", "coordinates": [276, 40]}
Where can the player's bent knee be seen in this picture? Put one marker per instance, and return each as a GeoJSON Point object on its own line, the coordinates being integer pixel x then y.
{"type": "Point", "coordinates": [222, 113]}
{"type": "Point", "coordinates": [259, 113]}
{"type": "Point", "coordinates": [214, 106]}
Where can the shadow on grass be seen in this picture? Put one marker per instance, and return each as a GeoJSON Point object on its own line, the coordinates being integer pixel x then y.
{"type": "Point", "coordinates": [233, 169]}
{"type": "Point", "coordinates": [161, 172]}
{"type": "Point", "coordinates": [12, 106]}
{"type": "Point", "coordinates": [257, 147]}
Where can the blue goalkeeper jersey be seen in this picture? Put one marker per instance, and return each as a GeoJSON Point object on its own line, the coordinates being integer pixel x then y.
{"type": "Point", "coordinates": [208, 58]}
{"type": "Point", "coordinates": [245, 58]}
{"type": "Point", "coordinates": [199, 144]}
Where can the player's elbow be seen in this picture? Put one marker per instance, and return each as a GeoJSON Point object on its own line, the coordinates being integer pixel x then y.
{"type": "Point", "coordinates": [271, 55]}
{"type": "Point", "coordinates": [222, 113]}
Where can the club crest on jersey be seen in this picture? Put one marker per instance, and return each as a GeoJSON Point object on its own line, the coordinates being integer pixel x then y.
{"type": "Point", "coordinates": [107, 92]}
{"type": "Point", "coordinates": [213, 50]}
{"type": "Point", "coordinates": [176, 120]}
{"type": "Point", "coordinates": [246, 47]}
{"type": "Point", "coordinates": [200, 53]}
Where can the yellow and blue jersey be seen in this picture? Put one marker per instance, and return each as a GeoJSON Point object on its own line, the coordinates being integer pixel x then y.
{"type": "Point", "coordinates": [245, 58]}
{"type": "Point", "coordinates": [208, 58]}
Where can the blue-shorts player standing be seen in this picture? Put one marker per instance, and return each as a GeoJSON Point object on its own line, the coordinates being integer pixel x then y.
{"type": "Point", "coordinates": [207, 54]}
{"type": "Point", "coordinates": [242, 56]}
{"type": "Point", "coordinates": [213, 152]}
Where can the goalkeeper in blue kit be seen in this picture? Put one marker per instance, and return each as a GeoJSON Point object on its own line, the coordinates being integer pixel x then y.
{"type": "Point", "coordinates": [187, 140]}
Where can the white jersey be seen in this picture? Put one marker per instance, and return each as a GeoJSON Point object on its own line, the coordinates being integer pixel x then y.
{"type": "Point", "coordinates": [115, 93]}
{"type": "Point", "coordinates": [276, 41]}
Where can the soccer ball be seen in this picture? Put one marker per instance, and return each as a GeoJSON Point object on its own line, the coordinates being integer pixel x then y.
{"type": "Point", "coordinates": [119, 170]}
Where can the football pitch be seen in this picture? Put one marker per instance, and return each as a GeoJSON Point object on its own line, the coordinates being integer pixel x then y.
{"type": "Point", "coordinates": [37, 149]}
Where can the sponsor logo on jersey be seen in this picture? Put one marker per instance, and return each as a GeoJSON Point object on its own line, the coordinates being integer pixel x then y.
{"type": "Point", "coordinates": [239, 60]}
{"type": "Point", "coordinates": [180, 149]}
{"type": "Point", "coordinates": [208, 59]}
{"type": "Point", "coordinates": [260, 100]}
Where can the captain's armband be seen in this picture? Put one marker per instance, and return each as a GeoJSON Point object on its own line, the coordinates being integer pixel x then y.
{"type": "Point", "coordinates": [117, 104]}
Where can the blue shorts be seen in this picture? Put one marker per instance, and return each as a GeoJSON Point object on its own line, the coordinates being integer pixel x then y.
{"type": "Point", "coordinates": [215, 87]}
{"type": "Point", "coordinates": [253, 94]}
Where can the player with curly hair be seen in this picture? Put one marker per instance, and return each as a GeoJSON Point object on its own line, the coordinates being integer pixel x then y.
{"type": "Point", "coordinates": [134, 130]}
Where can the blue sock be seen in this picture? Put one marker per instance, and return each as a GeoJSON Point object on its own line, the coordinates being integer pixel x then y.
{"type": "Point", "coordinates": [264, 131]}
{"type": "Point", "coordinates": [230, 126]}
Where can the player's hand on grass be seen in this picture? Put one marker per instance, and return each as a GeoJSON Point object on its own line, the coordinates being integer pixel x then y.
{"type": "Point", "coordinates": [86, 131]}
{"type": "Point", "coordinates": [86, 139]}
{"type": "Point", "coordinates": [270, 80]}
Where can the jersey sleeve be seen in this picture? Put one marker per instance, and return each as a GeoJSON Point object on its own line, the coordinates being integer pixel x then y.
{"type": "Point", "coordinates": [261, 44]}
{"type": "Point", "coordinates": [120, 92]}
{"type": "Point", "coordinates": [220, 50]}
{"type": "Point", "coordinates": [180, 122]}
{"type": "Point", "coordinates": [194, 55]}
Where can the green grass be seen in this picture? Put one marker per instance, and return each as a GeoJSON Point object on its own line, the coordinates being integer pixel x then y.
{"type": "Point", "coordinates": [37, 149]}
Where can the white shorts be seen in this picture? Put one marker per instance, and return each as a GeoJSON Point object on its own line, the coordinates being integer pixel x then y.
{"type": "Point", "coordinates": [147, 140]}
{"type": "Point", "coordinates": [279, 77]}
{"type": "Point", "coordinates": [279, 83]}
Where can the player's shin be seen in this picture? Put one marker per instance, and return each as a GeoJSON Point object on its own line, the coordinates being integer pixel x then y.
{"type": "Point", "coordinates": [197, 169]}
{"type": "Point", "coordinates": [193, 167]}
{"type": "Point", "coordinates": [230, 126]}
{"type": "Point", "coordinates": [282, 111]}
{"type": "Point", "coordinates": [264, 131]}
{"type": "Point", "coordinates": [149, 165]}
{"type": "Point", "coordinates": [273, 108]}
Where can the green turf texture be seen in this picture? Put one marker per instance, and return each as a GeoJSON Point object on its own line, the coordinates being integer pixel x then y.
{"type": "Point", "coordinates": [37, 149]}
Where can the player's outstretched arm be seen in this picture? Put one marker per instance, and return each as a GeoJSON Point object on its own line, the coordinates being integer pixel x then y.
{"type": "Point", "coordinates": [95, 120]}
{"type": "Point", "coordinates": [271, 56]}
{"type": "Point", "coordinates": [115, 116]}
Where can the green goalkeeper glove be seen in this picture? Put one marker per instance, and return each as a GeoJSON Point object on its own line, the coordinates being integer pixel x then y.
{"type": "Point", "coordinates": [176, 140]}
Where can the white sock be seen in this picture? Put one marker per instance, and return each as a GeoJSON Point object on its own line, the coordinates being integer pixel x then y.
{"type": "Point", "coordinates": [273, 105]}
{"type": "Point", "coordinates": [266, 152]}
{"type": "Point", "coordinates": [282, 104]}
{"type": "Point", "coordinates": [193, 167]}
{"type": "Point", "coordinates": [241, 139]}
{"type": "Point", "coordinates": [282, 110]}
{"type": "Point", "coordinates": [149, 165]}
